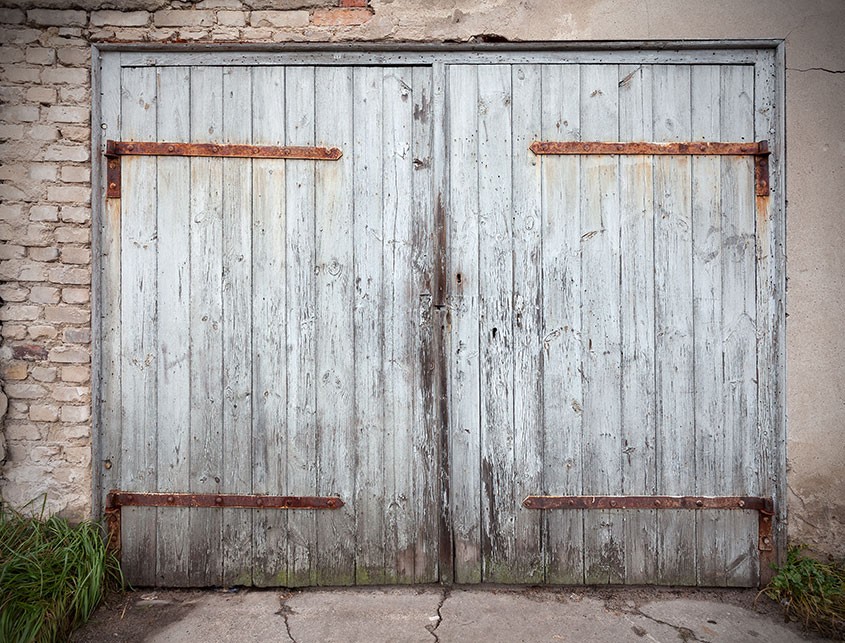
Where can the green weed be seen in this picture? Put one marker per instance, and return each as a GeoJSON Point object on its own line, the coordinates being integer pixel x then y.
{"type": "Point", "coordinates": [811, 592]}
{"type": "Point", "coordinates": [52, 575]}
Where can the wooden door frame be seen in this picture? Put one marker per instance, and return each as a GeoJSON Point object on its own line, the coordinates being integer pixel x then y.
{"type": "Point", "coordinates": [767, 56]}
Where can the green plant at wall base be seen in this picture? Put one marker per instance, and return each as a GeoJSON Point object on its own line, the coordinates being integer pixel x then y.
{"type": "Point", "coordinates": [52, 575]}
{"type": "Point", "coordinates": [811, 592]}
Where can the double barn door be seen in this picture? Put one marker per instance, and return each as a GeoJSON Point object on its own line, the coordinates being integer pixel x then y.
{"type": "Point", "coordinates": [439, 323]}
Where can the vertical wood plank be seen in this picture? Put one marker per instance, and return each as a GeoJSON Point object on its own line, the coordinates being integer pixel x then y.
{"type": "Point", "coordinates": [739, 315]}
{"type": "Point", "coordinates": [401, 303]}
{"type": "Point", "coordinates": [174, 376]}
{"type": "Point", "coordinates": [269, 330]}
{"type": "Point", "coordinates": [771, 289]}
{"type": "Point", "coordinates": [138, 363]}
{"type": "Point", "coordinates": [673, 324]}
{"type": "Point", "coordinates": [425, 422]}
{"type": "Point", "coordinates": [464, 372]}
{"type": "Point", "coordinates": [338, 433]}
{"type": "Point", "coordinates": [206, 247]}
{"type": "Point", "coordinates": [604, 559]}
{"type": "Point", "coordinates": [495, 267]}
{"type": "Point", "coordinates": [301, 394]}
{"type": "Point", "coordinates": [110, 428]}
{"type": "Point", "coordinates": [527, 560]}
{"type": "Point", "coordinates": [561, 319]}
{"type": "Point", "coordinates": [368, 237]}
{"type": "Point", "coordinates": [637, 319]}
{"type": "Point", "coordinates": [711, 457]}
{"type": "Point", "coordinates": [237, 326]}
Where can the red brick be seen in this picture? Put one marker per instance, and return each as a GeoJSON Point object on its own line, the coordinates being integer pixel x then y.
{"type": "Point", "coordinates": [29, 351]}
{"type": "Point", "coordinates": [341, 17]}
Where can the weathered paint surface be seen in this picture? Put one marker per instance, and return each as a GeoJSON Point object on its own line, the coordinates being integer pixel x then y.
{"type": "Point", "coordinates": [598, 336]}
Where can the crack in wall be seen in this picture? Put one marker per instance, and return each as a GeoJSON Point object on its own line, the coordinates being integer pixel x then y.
{"type": "Point", "coordinates": [824, 69]}
{"type": "Point", "coordinates": [284, 612]}
{"type": "Point", "coordinates": [685, 633]}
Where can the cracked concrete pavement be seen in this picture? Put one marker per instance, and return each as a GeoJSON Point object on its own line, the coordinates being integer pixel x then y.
{"type": "Point", "coordinates": [432, 613]}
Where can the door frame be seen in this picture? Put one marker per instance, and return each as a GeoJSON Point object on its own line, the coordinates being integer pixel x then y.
{"type": "Point", "coordinates": [768, 57]}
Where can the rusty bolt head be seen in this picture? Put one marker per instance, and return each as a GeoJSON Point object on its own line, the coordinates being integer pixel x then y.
{"type": "Point", "coordinates": [656, 503]}
{"type": "Point", "coordinates": [130, 147]}
{"type": "Point", "coordinates": [741, 503]}
{"type": "Point", "coordinates": [215, 149]}
{"type": "Point", "coordinates": [255, 150]}
{"type": "Point", "coordinates": [112, 185]}
{"type": "Point", "coordinates": [259, 502]}
{"type": "Point", "coordinates": [129, 497]}
{"type": "Point", "coordinates": [331, 502]}
{"type": "Point", "coordinates": [170, 148]}
{"type": "Point", "coordinates": [107, 464]}
{"type": "Point", "coordinates": [612, 503]}
{"type": "Point", "coordinates": [767, 541]}
{"type": "Point", "coordinates": [171, 499]}
{"type": "Point", "coordinates": [571, 503]}
{"type": "Point", "coordinates": [699, 503]}
{"type": "Point", "coordinates": [766, 518]}
{"type": "Point", "coordinates": [528, 502]}
{"type": "Point", "coordinates": [218, 500]}
{"type": "Point", "coordinates": [112, 164]}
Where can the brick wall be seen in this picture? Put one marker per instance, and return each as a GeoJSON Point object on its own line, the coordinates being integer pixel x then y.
{"type": "Point", "coordinates": [45, 212]}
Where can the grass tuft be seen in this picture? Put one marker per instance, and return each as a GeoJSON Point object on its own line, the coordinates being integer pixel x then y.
{"type": "Point", "coordinates": [811, 592]}
{"type": "Point", "coordinates": [52, 575]}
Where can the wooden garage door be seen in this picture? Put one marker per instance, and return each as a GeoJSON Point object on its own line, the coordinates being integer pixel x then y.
{"type": "Point", "coordinates": [440, 323]}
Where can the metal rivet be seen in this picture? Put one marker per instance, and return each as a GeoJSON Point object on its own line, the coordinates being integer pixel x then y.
{"type": "Point", "coordinates": [766, 519]}
{"type": "Point", "coordinates": [528, 502]}
{"type": "Point", "coordinates": [657, 503]}
{"type": "Point", "coordinates": [112, 185]}
{"type": "Point", "coordinates": [112, 164]}
{"type": "Point", "coordinates": [130, 497]}
{"type": "Point", "coordinates": [766, 541]}
{"type": "Point", "coordinates": [215, 149]}
{"type": "Point", "coordinates": [218, 500]}
{"type": "Point", "coordinates": [699, 503]}
{"type": "Point", "coordinates": [171, 499]}
{"type": "Point", "coordinates": [612, 503]}
{"type": "Point", "coordinates": [170, 148]}
{"type": "Point", "coordinates": [130, 147]}
{"type": "Point", "coordinates": [255, 150]}
{"type": "Point", "coordinates": [741, 503]}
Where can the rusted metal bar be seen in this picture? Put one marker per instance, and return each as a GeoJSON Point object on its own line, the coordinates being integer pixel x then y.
{"type": "Point", "coordinates": [116, 149]}
{"type": "Point", "coordinates": [763, 506]}
{"type": "Point", "coordinates": [153, 148]}
{"type": "Point", "coordinates": [761, 175]}
{"type": "Point", "coordinates": [674, 148]}
{"type": "Point", "coordinates": [648, 502]}
{"type": "Point", "coordinates": [228, 500]}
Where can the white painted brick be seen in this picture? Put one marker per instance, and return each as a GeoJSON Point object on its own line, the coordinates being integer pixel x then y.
{"type": "Point", "coordinates": [41, 331]}
{"type": "Point", "coordinates": [44, 373]}
{"type": "Point", "coordinates": [20, 36]}
{"type": "Point", "coordinates": [71, 393]}
{"type": "Point", "coordinates": [76, 295]}
{"type": "Point", "coordinates": [11, 293]}
{"type": "Point", "coordinates": [74, 56]}
{"type": "Point", "coordinates": [71, 94]}
{"type": "Point", "coordinates": [41, 95]}
{"type": "Point", "coordinates": [11, 131]}
{"type": "Point", "coordinates": [75, 413]}
{"type": "Point", "coordinates": [68, 114]}
{"type": "Point", "coordinates": [220, 4]}
{"type": "Point", "coordinates": [44, 412]}
{"type": "Point", "coordinates": [43, 133]}
{"type": "Point", "coordinates": [66, 275]}
{"type": "Point", "coordinates": [76, 374]}
{"type": "Point", "coordinates": [183, 18]}
{"type": "Point", "coordinates": [77, 335]}
{"type": "Point", "coordinates": [225, 34]}
{"type": "Point", "coordinates": [68, 194]}
{"type": "Point", "coordinates": [44, 254]}
{"type": "Point", "coordinates": [76, 255]}
{"type": "Point", "coordinates": [11, 55]}
{"type": "Point", "coordinates": [11, 16]}
{"type": "Point", "coordinates": [44, 295]}
{"type": "Point", "coordinates": [9, 212]}
{"type": "Point", "coordinates": [20, 431]}
{"type": "Point", "coordinates": [76, 133]}
{"type": "Point", "coordinates": [71, 235]}
{"type": "Point", "coordinates": [69, 355]}
{"type": "Point", "coordinates": [43, 172]}
{"type": "Point", "coordinates": [21, 113]}
{"type": "Point", "coordinates": [61, 152]}
{"type": "Point", "coordinates": [65, 76]}
{"type": "Point", "coordinates": [13, 331]}
{"type": "Point", "coordinates": [120, 18]}
{"type": "Point", "coordinates": [74, 213]}
{"type": "Point", "coordinates": [279, 19]}
{"type": "Point", "coordinates": [25, 391]}
{"type": "Point", "coordinates": [193, 34]}
{"type": "Point", "coordinates": [11, 251]}
{"type": "Point", "coordinates": [32, 272]}
{"type": "Point", "coordinates": [67, 315]}
{"type": "Point", "coordinates": [21, 74]}
{"type": "Point", "coordinates": [19, 312]}
{"type": "Point", "coordinates": [57, 17]}
{"type": "Point", "coordinates": [44, 213]}
{"type": "Point", "coordinates": [40, 55]}
{"type": "Point", "coordinates": [231, 18]}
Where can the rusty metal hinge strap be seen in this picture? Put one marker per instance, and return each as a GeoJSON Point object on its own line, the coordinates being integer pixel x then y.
{"type": "Point", "coordinates": [116, 149]}
{"type": "Point", "coordinates": [759, 150]}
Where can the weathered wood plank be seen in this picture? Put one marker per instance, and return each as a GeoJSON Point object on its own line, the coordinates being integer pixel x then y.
{"type": "Point", "coordinates": [526, 563]}
{"type": "Point", "coordinates": [673, 325]}
{"type": "Point", "coordinates": [369, 240]}
{"type": "Point", "coordinates": [174, 401]}
{"type": "Point", "coordinates": [636, 200]}
{"type": "Point", "coordinates": [205, 558]}
{"type": "Point", "coordinates": [269, 330]}
{"type": "Point", "coordinates": [561, 324]}
{"type": "Point", "coordinates": [335, 212]}
{"type": "Point", "coordinates": [110, 429]}
{"type": "Point", "coordinates": [739, 328]}
{"type": "Point", "coordinates": [425, 437]}
{"type": "Point", "coordinates": [138, 324]}
{"type": "Point", "coordinates": [464, 371]}
{"type": "Point", "coordinates": [711, 456]}
{"type": "Point", "coordinates": [301, 325]}
{"type": "Point", "coordinates": [604, 558]}
{"type": "Point", "coordinates": [237, 326]}
{"type": "Point", "coordinates": [495, 326]}
{"type": "Point", "coordinates": [401, 303]}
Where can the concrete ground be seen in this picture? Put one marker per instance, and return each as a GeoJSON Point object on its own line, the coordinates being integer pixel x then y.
{"type": "Point", "coordinates": [431, 614]}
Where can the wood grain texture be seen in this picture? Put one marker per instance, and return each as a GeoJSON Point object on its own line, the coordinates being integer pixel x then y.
{"type": "Point", "coordinates": [138, 325]}
{"type": "Point", "coordinates": [561, 324]}
{"type": "Point", "coordinates": [269, 328]}
{"type": "Point", "coordinates": [637, 420]}
{"type": "Point", "coordinates": [173, 402]}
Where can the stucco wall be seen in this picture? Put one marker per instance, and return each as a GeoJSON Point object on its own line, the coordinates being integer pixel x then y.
{"type": "Point", "coordinates": [45, 216]}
